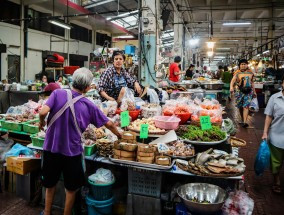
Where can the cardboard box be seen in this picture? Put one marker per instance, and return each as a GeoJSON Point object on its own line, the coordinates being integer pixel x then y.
{"type": "Point", "coordinates": [22, 166]}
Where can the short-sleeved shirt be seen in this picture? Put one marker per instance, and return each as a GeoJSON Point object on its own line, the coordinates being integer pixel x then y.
{"type": "Point", "coordinates": [174, 68]}
{"type": "Point", "coordinates": [107, 79]}
{"type": "Point", "coordinates": [275, 109]}
{"type": "Point", "coordinates": [62, 137]}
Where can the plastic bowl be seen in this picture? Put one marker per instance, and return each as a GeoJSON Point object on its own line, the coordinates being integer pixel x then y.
{"type": "Point", "coordinates": [202, 191]}
{"type": "Point", "coordinates": [166, 122]}
{"type": "Point", "coordinates": [184, 117]}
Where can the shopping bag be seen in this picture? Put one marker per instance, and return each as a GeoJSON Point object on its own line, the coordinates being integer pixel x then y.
{"type": "Point", "coordinates": [253, 107]}
{"type": "Point", "coordinates": [262, 159]}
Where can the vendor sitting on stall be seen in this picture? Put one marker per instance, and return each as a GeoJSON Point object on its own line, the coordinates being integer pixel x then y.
{"type": "Point", "coordinates": [175, 70]}
{"type": "Point", "coordinates": [113, 81]}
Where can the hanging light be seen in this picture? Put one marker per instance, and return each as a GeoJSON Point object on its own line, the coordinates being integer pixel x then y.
{"type": "Point", "coordinates": [210, 53]}
{"type": "Point", "coordinates": [210, 44]}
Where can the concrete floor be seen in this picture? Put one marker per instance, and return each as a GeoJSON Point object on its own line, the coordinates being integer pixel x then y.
{"type": "Point", "coordinates": [259, 188]}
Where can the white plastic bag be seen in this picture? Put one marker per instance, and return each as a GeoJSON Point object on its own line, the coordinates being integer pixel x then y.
{"type": "Point", "coordinates": [102, 176]}
{"type": "Point", "coordinates": [154, 98]}
{"type": "Point", "coordinates": [128, 100]}
{"type": "Point", "coordinates": [253, 107]}
{"type": "Point", "coordinates": [238, 203]}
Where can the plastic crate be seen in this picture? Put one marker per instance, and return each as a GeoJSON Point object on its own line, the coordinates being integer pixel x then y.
{"type": "Point", "coordinates": [36, 141]}
{"type": "Point", "coordinates": [14, 126]}
{"type": "Point", "coordinates": [32, 129]}
{"type": "Point", "coordinates": [89, 150]}
{"type": "Point", "coordinates": [144, 182]}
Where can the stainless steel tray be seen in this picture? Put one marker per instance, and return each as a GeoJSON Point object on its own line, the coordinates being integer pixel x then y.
{"type": "Point", "coordinates": [205, 143]}
{"type": "Point", "coordinates": [139, 164]}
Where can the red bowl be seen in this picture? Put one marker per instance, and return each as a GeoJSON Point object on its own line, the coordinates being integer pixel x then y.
{"type": "Point", "coordinates": [134, 114]}
{"type": "Point", "coordinates": [184, 117]}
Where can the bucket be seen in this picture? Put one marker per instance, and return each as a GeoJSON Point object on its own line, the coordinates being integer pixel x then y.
{"type": "Point", "coordinates": [101, 191]}
{"type": "Point", "coordinates": [99, 207]}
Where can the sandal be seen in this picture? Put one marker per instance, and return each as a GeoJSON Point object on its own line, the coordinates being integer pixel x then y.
{"type": "Point", "coordinates": [276, 188]}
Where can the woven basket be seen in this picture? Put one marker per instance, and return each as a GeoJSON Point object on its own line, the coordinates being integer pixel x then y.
{"type": "Point", "coordinates": [237, 142]}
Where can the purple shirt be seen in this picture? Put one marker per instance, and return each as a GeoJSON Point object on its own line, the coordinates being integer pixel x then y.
{"type": "Point", "coordinates": [62, 137]}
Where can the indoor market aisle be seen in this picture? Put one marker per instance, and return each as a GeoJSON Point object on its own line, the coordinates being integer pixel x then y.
{"type": "Point", "coordinates": [259, 188]}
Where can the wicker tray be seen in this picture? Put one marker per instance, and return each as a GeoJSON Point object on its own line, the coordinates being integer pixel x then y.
{"type": "Point", "coordinates": [180, 157]}
{"type": "Point", "coordinates": [154, 133]}
{"type": "Point", "coordinates": [139, 164]}
{"type": "Point", "coordinates": [195, 172]}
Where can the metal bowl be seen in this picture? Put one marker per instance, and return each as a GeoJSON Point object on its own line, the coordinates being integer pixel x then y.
{"type": "Point", "coordinates": [202, 191]}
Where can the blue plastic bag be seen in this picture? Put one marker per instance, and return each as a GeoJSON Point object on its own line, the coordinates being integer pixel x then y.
{"type": "Point", "coordinates": [18, 149]}
{"type": "Point", "coordinates": [262, 159]}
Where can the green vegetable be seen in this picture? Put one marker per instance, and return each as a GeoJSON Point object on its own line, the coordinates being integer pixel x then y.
{"type": "Point", "coordinates": [195, 133]}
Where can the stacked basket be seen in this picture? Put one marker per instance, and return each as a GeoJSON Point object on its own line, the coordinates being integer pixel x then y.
{"type": "Point", "coordinates": [100, 199]}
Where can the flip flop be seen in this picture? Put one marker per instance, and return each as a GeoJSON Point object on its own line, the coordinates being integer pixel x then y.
{"type": "Point", "coordinates": [276, 189]}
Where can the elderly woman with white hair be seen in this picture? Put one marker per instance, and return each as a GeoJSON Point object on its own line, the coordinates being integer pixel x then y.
{"type": "Point", "coordinates": [69, 115]}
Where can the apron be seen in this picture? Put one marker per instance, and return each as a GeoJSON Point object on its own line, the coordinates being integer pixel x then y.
{"type": "Point", "coordinates": [70, 104]}
{"type": "Point", "coordinates": [119, 81]}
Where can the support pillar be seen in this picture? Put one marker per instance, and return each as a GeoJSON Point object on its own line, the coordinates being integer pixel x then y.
{"type": "Point", "coordinates": [22, 44]}
{"type": "Point", "coordinates": [149, 33]}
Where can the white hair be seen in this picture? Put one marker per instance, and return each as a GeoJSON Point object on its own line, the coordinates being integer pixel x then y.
{"type": "Point", "coordinates": [82, 78]}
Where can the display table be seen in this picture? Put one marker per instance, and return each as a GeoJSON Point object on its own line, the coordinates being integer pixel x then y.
{"type": "Point", "coordinates": [21, 97]}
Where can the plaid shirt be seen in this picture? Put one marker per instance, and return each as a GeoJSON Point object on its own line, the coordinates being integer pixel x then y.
{"type": "Point", "coordinates": [106, 82]}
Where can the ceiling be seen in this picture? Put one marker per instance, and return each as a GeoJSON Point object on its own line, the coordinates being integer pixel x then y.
{"type": "Point", "coordinates": [202, 19]}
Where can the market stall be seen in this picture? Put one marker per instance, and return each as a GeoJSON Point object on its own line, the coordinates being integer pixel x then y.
{"type": "Point", "coordinates": [186, 136]}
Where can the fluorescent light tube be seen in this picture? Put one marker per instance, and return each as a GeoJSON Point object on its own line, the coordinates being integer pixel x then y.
{"type": "Point", "coordinates": [265, 52]}
{"type": "Point", "coordinates": [98, 3]}
{"type": "Point", "coordinates": [229, 40]}
{"type": "Point", "coordinates": [236, 23]}
{"type": "Point", "coordinates": [223, 48]}
{"type": "Point", "coordinates": [60, 24]}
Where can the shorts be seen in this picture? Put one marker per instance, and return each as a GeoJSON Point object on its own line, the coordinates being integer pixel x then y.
{"type": "Point", "coordinates": [70, 166]}
{"type": "Point", "coordinates": [277, 156]}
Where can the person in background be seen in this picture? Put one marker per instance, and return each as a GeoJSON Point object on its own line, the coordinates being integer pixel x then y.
{"type": "Point", "coordinates": [226, 78]}
{"type": "Point", "coordinates": [60, 80]}
{"type": "Point", "coordinates": [244, 90]}
{"type": "Point", "coordinates": [207, 74]}
{"type": "Point", "coordinates": [113, 81]}
{"type": "Point", "coordinates": [175, 70]}
{"type": "Point", "coordinates": [196, 74]}
{"type": "Point", "coordinates": [189, 72]}
{"type": "Point", "coordinates": [44, 81]}
{"type": "Point", "coordinates": [50, 87]}
{"type": "Point", "coordinates": [218, 73]}
{"type": "Point", "coordinates": [69, 115]}
{"type": "Point", "coordinates": [273, 132]}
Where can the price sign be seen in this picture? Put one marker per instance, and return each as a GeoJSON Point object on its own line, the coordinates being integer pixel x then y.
{"type": "Point", "coordinates": [205, 122]}
{"type": "Point", "coordinates": [144, 130]}
{"type": "Point", "coordinates": [124, 119]}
